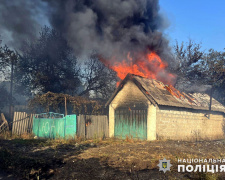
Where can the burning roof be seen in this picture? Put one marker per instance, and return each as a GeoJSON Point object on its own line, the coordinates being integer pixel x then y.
{"type": "Point", "coordinates": [161, 94]}
{"type": "Point", "coordinates": [148, 65]}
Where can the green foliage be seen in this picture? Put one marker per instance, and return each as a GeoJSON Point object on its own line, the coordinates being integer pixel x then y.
{"type": "Point", "coordinates": [201, 68]}
{"type": "Point", "coordinates": [214, 68]}
{"type": "Point", "coordinates": [214, 73]}
{"type": "Point", "coordinates": [187, 57]}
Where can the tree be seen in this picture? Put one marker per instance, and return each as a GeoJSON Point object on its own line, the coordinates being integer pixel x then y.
{"type": "Point", "coordinates": [200, 71]}
{"type": "Point", "coordinates": [214, 72]}
{"type": "Point", "coordinates": [8, 60]}
{"type": "Point", "coordinates": [189, 60]}
{"type": "Point", "coordinates": [4, 97]}
{"type": "Point", "coordinates": [99, 81]}
{"type": "Point", "coordinates": [48, 64]}
{"type": "Point", "coordinates": [214, 67]}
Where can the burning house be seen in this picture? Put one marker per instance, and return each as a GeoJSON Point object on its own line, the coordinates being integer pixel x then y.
{"type": "Point", "coordinates": [148, 109]}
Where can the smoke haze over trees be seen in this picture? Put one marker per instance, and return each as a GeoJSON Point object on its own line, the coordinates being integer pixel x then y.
{"type": "Point", "coordinates": [48, 64]}
{"type": "Point", "coordinates": [59, 41]}
{"type": "Point", "coordinates": [110, 28]}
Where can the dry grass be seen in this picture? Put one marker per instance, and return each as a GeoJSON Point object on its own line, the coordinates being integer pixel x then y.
{"type": "Point", "coordinates": [7, 135]}
{"type": "Point", "coordinates": [103, 158]}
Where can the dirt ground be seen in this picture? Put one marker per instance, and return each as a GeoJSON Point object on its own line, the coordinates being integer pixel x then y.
{"type": "Point", "coordinates": [103, 159]}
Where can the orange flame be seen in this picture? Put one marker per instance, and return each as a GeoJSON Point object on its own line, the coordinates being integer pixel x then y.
{"type": "Point", "coordinates": [148, 66]}
{"type": "Point", "coordinates": [174, 92]}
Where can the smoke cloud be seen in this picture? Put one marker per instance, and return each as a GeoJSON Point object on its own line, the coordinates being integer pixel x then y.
{"type": "Point", "coordinates": [110, 28]}
{"type": "Point", "coordinates": [20, 21]}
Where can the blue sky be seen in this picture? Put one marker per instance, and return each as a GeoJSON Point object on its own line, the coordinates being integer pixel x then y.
{"type": "Point", "coordinates": [201, 20]}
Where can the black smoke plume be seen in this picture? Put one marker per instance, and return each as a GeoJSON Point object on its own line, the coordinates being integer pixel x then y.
{"type": "Point", "coordinates": [106, 27]}
{"type": "Point", "coordinates": [110, 28]}
{"type": "Point", "coordinates": [20, 20]}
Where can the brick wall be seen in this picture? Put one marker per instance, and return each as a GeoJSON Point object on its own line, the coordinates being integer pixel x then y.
{"type": "Point", "coordinates": [188, 124]}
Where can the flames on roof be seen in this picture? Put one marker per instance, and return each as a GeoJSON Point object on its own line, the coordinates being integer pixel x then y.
{"type": "Point", "coordinates": [161, 94]}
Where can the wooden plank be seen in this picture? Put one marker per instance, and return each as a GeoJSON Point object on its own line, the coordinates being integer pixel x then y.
{"type": "Point", "coordinates": [81, 126]}
{"type": "Point", "coordinates": [30, 126]}
{"type": "Point", "coordinates": [97, 128]}
{"type": "Point", "coordinates": [96, 131]}
{"type": "Point", "coordinates": [15, 124]}
{"type": "Point", "coordinates": [4, 125]}
{"type": "Point", "coordinates": [22, 123]}
{"type": "Point", "coordinates": [78, 125]}
{"type": "Point", "coordinates": [87, 128]}
{"type": "Point", "coordinates": [25, 124]}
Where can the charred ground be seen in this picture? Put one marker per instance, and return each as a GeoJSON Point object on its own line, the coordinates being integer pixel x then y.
{"type": "Point", "coordinates": [103, 159]}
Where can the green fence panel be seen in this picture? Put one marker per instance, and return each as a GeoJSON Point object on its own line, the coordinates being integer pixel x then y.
{"type": "Point", "coordinates": [44, 127]}
{"type": "Point", "coordinates": [35, 126]}
{"type": "Point", "coordinates": [70, 126]}
{"type": "Point", "coordinates": [57, 128]}
{"type": "Point", "coordinates": [53, 126]}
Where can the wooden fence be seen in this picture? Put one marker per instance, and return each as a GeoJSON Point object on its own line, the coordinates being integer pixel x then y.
{"type": "Point", "coordinates": [88, 126]}
{"type": "Point", "coordinates": [3, 123]}
{"type": "Point", "coordinates": [92, 126]}
{"type": "Point", "coordinates": [22, 123]}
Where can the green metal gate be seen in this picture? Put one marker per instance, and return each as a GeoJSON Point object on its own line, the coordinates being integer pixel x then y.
{"type": "Point", "coordinates": [54, 125]}
{"type": "Point", "coordinates": [131, 123]}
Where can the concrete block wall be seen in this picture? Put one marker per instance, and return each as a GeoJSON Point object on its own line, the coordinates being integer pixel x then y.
{"type": "Point", "coordinates": [188, 124]}
{"type": "Point", "coordinates": [166, 122]}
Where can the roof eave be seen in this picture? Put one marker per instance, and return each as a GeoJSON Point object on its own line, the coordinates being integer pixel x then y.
{"type": "Point", "coordinates": [130, 77]}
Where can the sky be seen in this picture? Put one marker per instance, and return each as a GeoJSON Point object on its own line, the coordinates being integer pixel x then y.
{"type": "Point", "coordinates": [201, 20]}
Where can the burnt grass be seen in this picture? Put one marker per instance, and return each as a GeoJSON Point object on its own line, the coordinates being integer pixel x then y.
{"type": "Point", "coordinates": [103, 159]}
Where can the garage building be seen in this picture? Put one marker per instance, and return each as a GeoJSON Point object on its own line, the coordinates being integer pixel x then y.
{"type": "Point", "coordinates": [147, 109]}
